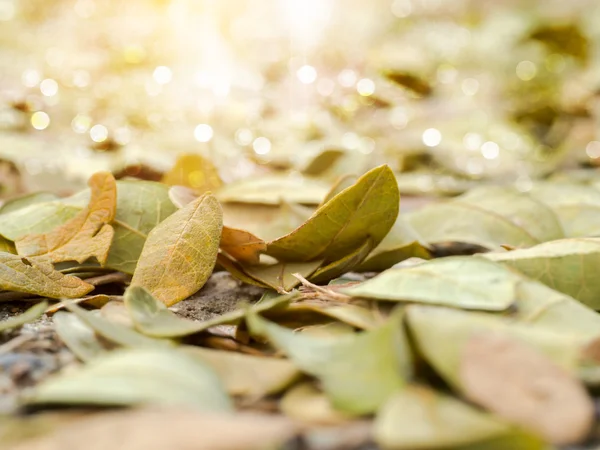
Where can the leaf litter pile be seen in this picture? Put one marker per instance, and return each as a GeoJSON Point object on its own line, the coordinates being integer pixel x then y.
{"type": "Point", "coordinates": [468, 323]}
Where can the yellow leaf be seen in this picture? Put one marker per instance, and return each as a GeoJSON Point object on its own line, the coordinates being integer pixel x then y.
{"type": "Point", "coordinates": [180, 253]}
{"type": "Point", "coordinates": [193, 171]}
{"type": "Point", "coordinates": [88, 234]}
{"type": "Point", "coordinates": [37, 278]}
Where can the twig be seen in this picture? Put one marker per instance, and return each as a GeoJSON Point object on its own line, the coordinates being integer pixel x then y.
{"type": "Point", "coordinates": [115, 277]}
{"type": "Point", "coordinates": [328, 292]}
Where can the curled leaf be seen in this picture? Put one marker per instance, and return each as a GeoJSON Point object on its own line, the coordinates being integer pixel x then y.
{"type": "Point", "coordinates": [367, 209]}
{"type": "Point", "coordinates": [88, 234]}
{"type": "Point", "coordinates": [180, 253]}
{"type": "Point", "coordinates": [242, 245]}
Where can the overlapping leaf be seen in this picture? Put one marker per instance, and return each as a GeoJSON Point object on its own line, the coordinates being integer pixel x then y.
{"type": "Point", "coordinates": [38, 278]}
{"type": "Point", "coordinates": [366, 210]}
{"type": "Point", "coordinates": [567, 265]}
{"type": "Point", "coordinates": [358, 371]}
{"type": "Point", "coordinates": [462, 282]}
{"type": "Point", "coordinates": [180, 253]}
{"type": "Point", "coordinates": [88, 234]}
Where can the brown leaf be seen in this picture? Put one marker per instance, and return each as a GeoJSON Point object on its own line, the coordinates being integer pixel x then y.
{"type": "Point", "coordinates": [88, 234]}
{"type": "Point", "coordinates": [242, 245]}
{"type": "Point", "coordinates": [38, 278]}
{"type": "Point", "coordinates": [523, 386]}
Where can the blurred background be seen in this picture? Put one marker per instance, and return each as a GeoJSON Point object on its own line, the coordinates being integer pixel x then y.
{"type": "Point", "coordinates": [448, 92]}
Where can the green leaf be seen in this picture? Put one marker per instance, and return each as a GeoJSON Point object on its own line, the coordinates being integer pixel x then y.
{"type": "Point", "coordinates": [440, 335]}
{"type": "Point", "coordinates": [77, 336]}
{"type": "Point", "coordinates": [567, 265]}
{"type": "Point", "coordinates": [489, 217]}
{"type": "Point", "coordinates": [180, 253]}
{"type": "Point", "coordinates": [417, 417]}
{"type": "Point", "coordinates": [247, 375]}
{"type": "Point", "coordinates": [459, 281]}
{"type": "Point", "coordinates": [22, 275]}
{"type": "Point", "coordinates": [37, 219]}
{"type": "Point", "coordinates": [343, 265]}
{"type": "Point", "coordinates": [134, 377]}
{"type": "Point", "coordinates": [539, 306]}
{"type": "Point", "coordinates": [32, 314]}
{"type": "Point", "coordinates": [7, 246]}
{"type": "Point", "coordinates": [402, 242]}
{"type": "Point", "coordinates": [280, 276]}
{"type": "Point", "coordinates": [113, 331]}
{"type": "Point", "coordinates": [368, 209]}
{"type": "Point", "coordinates": [322, 161]}
{"type": "Point", "coordinates": [153, 318]}
{"type": "Point", "coordinates": [576, 205]}
{"type": "Point", "coordinates": [357, 371]}
{"type": "Point", "coordinates": [141, 206]}
{"type": "Point", "coordinates": [23, 201]}
{"type": "Point", "coordinates": [274, 188]}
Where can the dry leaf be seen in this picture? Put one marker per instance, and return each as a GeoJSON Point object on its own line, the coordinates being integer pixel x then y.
{"type": "Point", "coordinates": [180, 253]}
{"type": "Point", "coordinates": [38, 278]}
{"type": "Point", "coordinates": [88, 234]}
{"type": "Point", "coordinates": [521, 385]}
{"type": "Point", "coordinates": [33, 313]}
{"type": "Point", "coordinates": [242, 245]}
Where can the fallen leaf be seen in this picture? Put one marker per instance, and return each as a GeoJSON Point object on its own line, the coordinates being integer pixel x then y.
{"type": "Point", "coordinates": [457, 281]}
{"type": "Point", "coordinates": [114, 332]}
{"type": "Point", "coordinates": [247, 375]}
{"type": "Point", "coordinates": [180, 253]}
{"type": "Point", "coordinates": [141, 205]}
{"type": "Point", "coordinates": [343, 265]}
{"type": "Point", "coordinates": [322, 161]}
{"type": "Point", "coordinates": [521, 385]}
{"type": "Point", "coordinates": [193, 171]}
{"type": "Point", "coordinates": [280, 276]}
{"type": "Point", "coordinates": [567, 265]}
{"type": "Point", "coordinates": [77, 336]}
{"type": "Point", "coordinates": [32, 314]}
{"type": "Point", "coordinates": [133, 377]}
{"type": "Point", "coordinates": [307, 404]}
{"type": "Point", "coordinates": [153, 429]}
{"type": "Point", "coordinates": [539, 306]}
{"type": "Point", "coordinates": [7, 246]}
{"type": "Point", "coordinates": [153, 318]}
{"type": "Point", "coordinates": [89, 234]}
{"type": "Point", "coordinates": [358, 371]}
{"type": "Point", "coordinates": [96, 301]}
{"type": "Point", "coordinates": [274, 188]}
{"type": "Point", "coordinates": [38, 278]}
{"type": "Point", "coordinates": [417, 417]}
{"type": "Point", "coordinates": [368, 209]}
{"type": "Point", "coordinates": [577, 206]}
{"type": "Point", "coordinates": [489, 217]}
{"type": "Point", "coordinates": [440, 335]}
{"type": "Point", "coordinates": [412, 82]}
{"type": "Point", "coordinates": [23, 201]}
{"type": "Point", "coordinates": [402, 242]}
{"type": "Point", "coordinates": [242, 245]}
